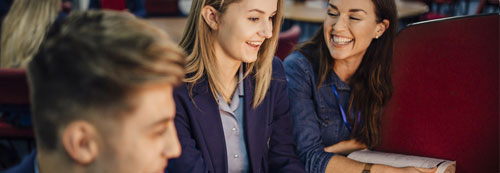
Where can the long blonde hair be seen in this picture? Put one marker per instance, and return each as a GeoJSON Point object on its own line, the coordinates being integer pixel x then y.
{"type": "Point", "coordinates": [23, 30]}
{"type": "Point", "coordinates": [198, 40]}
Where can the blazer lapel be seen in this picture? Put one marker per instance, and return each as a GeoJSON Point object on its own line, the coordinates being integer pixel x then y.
{"type": "Point", "coordinates": [208, 118]}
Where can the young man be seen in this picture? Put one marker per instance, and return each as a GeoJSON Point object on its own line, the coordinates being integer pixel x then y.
{"type": "Point", "coordinates": [101, 94]}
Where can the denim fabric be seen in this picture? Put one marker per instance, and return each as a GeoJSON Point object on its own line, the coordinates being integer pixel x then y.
{"type": "Point", "coordinates": [315, 113]}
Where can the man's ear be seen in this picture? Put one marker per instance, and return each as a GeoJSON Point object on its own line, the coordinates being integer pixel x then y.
{"type": "Point", "coordinates": [80, 140]}
{"type": "Point", "coordinates": [381, 28]}
{"type": "Point", "coordinates": [210, 15]}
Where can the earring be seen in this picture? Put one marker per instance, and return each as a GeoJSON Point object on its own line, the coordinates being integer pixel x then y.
{"type": "Point", "coordinates": [376, 37]}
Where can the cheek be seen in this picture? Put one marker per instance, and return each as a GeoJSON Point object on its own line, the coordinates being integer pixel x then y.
{"type": "Point", "coordinates": [364, 34]}
{"type": "Point", "coordinates": [143, 155]}
{"type": "Point", "coordinates": [328, 25]}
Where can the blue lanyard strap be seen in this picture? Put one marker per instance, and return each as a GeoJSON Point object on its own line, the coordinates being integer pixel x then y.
{"type": "Point", "coordinates": [344, 117]}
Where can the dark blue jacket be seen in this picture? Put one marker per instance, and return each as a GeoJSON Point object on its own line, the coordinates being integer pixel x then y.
{"type": "Point", "coordinates": [268, 129]}
{"type": "Point", "coordinates": [26, 166]}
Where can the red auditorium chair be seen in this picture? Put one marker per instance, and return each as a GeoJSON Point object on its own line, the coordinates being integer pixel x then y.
{"type": "Point", "coordinates": [119, 5]}
{"type": "Point", "coordinates": [287, 41]}
{"type": "Point", "coordinates": [446, 93]}
{"type": "Point", "coordinates": [14, 98]}
{"type": "Point", "coordinates": [162, 7]}
{"type": "Point", "coordinates": [16, 134]}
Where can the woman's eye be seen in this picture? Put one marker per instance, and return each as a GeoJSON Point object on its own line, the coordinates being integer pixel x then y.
{"type": "Point", "coordinates": [332, 14]}
{"type": "Point", "coordinates": [354, 18]}
{"type": "Point", "coordinates": [253, 19]}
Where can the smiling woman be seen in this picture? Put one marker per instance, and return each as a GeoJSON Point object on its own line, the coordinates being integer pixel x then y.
{"type": "Point", "coordinates": [232, 111]}
{"type": "Point", "coordinates": [340, 81]}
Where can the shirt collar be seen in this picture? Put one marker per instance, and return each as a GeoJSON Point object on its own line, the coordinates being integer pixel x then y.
{"type": "Point", "coordinates": [235, 100]}
{"type": "Point", "coordinates": [333, 79]}
{"type": "Point", "coordinates": [240, 81]}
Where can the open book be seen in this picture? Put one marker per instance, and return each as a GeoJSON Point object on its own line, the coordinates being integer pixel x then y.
{"type": "Point", "coordinates": [400, 160]}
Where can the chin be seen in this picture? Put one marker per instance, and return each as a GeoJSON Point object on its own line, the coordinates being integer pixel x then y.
{"type": "Point", "coordinates": [249, 59]}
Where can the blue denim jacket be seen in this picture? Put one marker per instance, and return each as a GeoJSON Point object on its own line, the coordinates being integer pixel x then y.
{"type": "Point", "coordinates": [316, 116]}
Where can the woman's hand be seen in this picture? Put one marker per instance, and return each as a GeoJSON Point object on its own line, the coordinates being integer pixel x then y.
{"type": "Point", "coordinates": [345, 147]}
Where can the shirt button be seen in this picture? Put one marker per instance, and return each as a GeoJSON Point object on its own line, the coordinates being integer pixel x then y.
{"type": "Point", "coordinates": [233, 129]}
{"type": "Point", "coordinates": [236, 156]}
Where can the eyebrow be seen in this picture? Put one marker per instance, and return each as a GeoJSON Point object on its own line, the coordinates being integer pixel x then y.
{"type": "Point", "coordinates": [350, 10]}
{"type": "Point", "coordinates": [260, 11]}
{"type": "Point", "coordinates": [161, 121]}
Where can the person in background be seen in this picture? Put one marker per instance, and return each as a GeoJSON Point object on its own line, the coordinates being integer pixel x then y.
{"type": "Point", "coordinates": [339, 82]}
{"type": "Point", "coordinates": [101, 95]}
{"type": "Point", "coordinates": [24, 29]}
{"type": "Point", "coordinates": [232, 109]}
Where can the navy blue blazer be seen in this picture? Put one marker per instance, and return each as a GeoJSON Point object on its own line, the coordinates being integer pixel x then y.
{"type": "Point", "coordinates": [268, 129]}
{"type": "Point", "coordinates": [26, 166]}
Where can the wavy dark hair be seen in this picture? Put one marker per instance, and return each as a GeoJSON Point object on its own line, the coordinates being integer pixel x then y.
{"type": "Point", "coordinates": [371, 84]}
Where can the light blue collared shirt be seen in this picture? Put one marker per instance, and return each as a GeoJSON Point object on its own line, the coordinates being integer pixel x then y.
{"type": "Point", "coordinates": [232, 123]}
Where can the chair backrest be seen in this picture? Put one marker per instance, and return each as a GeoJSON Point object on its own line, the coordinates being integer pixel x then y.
{"type": "Point", "coordinates": [162, 7]}
{"type": "Point", "coordinates": [13, 87]}
{"type": "Point", "coordinates": [446, 92]}
{"type": "Point", "coordinates": [15, 120]}
{"type": "Point", "coordinates": [113, 4]}
{"type": "Point", "coordinates": [287, 41]}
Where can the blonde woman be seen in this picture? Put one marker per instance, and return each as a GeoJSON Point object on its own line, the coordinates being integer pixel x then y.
{"type": "Point", "coordinates": [23, 30]}
{"type": "Point", "coordinates": [232, 110]}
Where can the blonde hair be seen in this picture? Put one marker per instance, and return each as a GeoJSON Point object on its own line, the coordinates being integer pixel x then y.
{"type": "Point", "coordinates": [23, 30]}
{"type": "Point", "coordinates": [198, 40]}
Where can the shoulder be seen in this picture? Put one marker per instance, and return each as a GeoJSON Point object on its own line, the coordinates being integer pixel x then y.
{"type": "Point", "coordinates": [183, 89]}
{"type": "Point", "coordinates": [278, 70]}
{"type": "Point", "coordinates": [297, 60]}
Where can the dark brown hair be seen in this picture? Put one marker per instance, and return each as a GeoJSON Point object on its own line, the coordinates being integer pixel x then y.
{"type": "Point", "coordinates": [89, 67]}
{"type": "Point", "coordinates": [371, 84]}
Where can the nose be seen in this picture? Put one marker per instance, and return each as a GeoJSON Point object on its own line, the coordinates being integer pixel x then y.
{"type": "Point", "coordinates": [340, 24]}
{"type": "Point", "coordinates": [267, 29]}
{"type": "Point", "coordinates": [172, 148]}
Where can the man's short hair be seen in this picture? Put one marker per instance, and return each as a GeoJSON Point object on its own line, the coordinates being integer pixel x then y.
{"type": "Point", "coordinates": [90, 63]}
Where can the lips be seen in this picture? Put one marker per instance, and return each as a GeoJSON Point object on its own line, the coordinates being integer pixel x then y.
{"type": "Point", "coordinates": [255, 44]}
{"type": "Point", "coordinates": [340, 41]}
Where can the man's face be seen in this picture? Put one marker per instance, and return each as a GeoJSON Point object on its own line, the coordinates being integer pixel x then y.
{"type": "Point", "coordinates": [146, 137]}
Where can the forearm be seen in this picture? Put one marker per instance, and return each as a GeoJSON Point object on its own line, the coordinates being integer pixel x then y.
{"type": "Point", "coordinates": [343, 164]}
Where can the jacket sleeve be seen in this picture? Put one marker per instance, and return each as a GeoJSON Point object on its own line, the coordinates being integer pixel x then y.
{"type": "Point", "coordinates": [191, 159]}
{"type": "Point", "coordinates": [282, 157]}
{"type": "Point", "coordinates": [307, 131]}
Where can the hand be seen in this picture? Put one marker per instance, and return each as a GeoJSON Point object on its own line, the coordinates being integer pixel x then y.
{"type": "Point", "coordinates": [345, 147]}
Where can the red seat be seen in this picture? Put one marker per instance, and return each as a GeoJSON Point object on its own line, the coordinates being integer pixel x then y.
{"type": "Point", "coordinates": [446, 93]}
{"type": "Point", "coordinates": [13, 87]}
{"type": "Point", "coordinates": [287, 41]}
{"type": "Point", "coordinates": [162, 7]}
{"type": "Point", "coordinates": [14, 98]}
{"type": "Point", "coordinates": [119, 5]}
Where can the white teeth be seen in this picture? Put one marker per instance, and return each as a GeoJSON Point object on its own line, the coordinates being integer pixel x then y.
{"type": "Point", "coordinates": [254, 43]}
{"type": "Point", "coordinates": [341, 40]}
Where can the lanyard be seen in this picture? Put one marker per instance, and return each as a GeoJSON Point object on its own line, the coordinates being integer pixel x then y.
{"type": "Point", "coordinates": [344, 117]}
